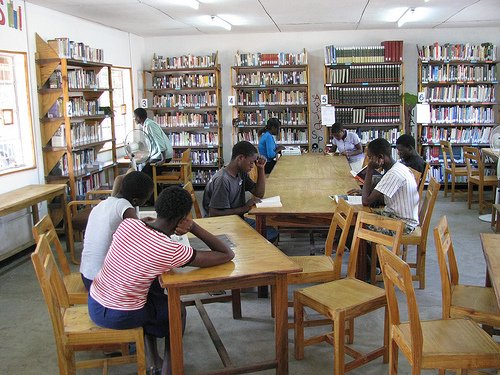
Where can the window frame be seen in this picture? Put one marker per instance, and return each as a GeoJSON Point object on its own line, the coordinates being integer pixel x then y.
{"type": "Point", "coordinates": [30, 131]}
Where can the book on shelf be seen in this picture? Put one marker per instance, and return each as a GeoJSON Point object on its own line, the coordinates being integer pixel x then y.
{"type": "Point", "coordinates": [393, 50]}
{"type": "Point", "coordinates": [59, 137]}
{"type": "Point", "coordinates": [291, 151]}
{"type": "Point", "coordinates": [185, 81]}
{"type": "Point", "coordinates": [66, 48]}
{"type": "Point", "coordinates": [159, 62]}
{"type": "Point", "coordinates": [456, 52]}
{"type": "Point", "coordinates": [351, 199]}
{"type": "Point", "coordinates": [361, 175]}
{"type": "Point", "coordinates": [270, 59]}
{"type": "Point", "coordinates": [269, 202]}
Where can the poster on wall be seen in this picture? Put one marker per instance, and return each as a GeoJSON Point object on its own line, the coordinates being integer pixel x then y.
{"type": "Point", "coordinates": [11, 14]}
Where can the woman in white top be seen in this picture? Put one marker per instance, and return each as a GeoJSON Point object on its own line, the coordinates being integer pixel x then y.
{"type": "Point", "coordinates": [348, 144]}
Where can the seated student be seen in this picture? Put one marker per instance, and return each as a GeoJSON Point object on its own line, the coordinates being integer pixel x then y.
{"type": "Point", "coordinates": [135, 189]}
{"type": "Point", "coordinates": [348, 144]}
{"type": "Point", "coordinates": [267, 143]}
{"type": "Point", "coordinates": [397, 186]}
{"type": "Point", "coordinates": [405, 145]}
{"type": "Point", "coordinates": [225, 192]}
{"type": "Point", "coordinates": [126, 293]}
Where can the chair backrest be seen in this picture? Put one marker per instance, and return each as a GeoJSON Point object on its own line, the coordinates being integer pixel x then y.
{"type": "Point", "coordinates": [52, 287]}
{"type": "Point", "coordinates": [474, 162]}
{"type": "Point", "coordinates": [423, 180]}
{"type": "Point", "coordinates": [366, 229]}
{"type": "Point", "coordinates": [447, 263]}
{"type": "Point", "coordinates": [98, 194]}
{"type": "Point", "coordinates": [186, 171]}
{"type": "Point", "coordinates": [416, 174]}
{"type": "Point", "coordinates": [45, 226]}
{"type": "Point", "coordinates": [342, 219]}
{"type": "Point", "coordinates": [188, 186]}
{"type": "Point", "coordinates": [447, 152]}
{"type": "Point", "coordinates": [427, 207]}
{"type": "Point", "coordinates": [396, 274]}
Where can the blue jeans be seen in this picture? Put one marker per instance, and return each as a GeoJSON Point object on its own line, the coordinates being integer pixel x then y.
{"type": "Point", "coordinates": [271, 233]}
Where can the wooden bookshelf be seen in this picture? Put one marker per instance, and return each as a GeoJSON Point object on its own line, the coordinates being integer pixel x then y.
{"type": "Point", "coordinates": [184, 96]}
{"type": "Point", "coordinates": [267, 85]}
{"type": "Point", "coordinates": [459, 83]}
{"type": "Point", "coordinates": [70, 88]}
{"type": "Point", "coordinates": [365, 85]}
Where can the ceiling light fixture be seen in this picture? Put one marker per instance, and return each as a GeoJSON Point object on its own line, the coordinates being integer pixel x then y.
{"type": "Point", "coordinates": [217, 21]}
{"type": "Point", "coordinates": [188, 3]}
{"type": "Point", "coordinates": [407, 16]}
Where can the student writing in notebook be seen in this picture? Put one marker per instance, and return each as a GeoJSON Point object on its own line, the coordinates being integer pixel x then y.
{"type": "Point", "coordinates": [397, 186]}
{"type": "Point", "coordinates": [126, 293]}
{"type": "Point", "coordinates": [348, 144]}
{"type": "Point", "coordinates": [225, 192]}
{"type": "Point", "coordinates": [267, 143]}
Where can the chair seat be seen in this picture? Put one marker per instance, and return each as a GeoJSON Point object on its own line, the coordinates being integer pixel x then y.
{"type": "Point", "coordinates": [349, 294]}
{"type": "Point", "coordinates": [488, 180]}
{"type": "Point", "coordinates": [412, 238]}
{"type": "Point", "coordinates": [80, 219]}
{"type": "Point", "coordinates": [476, 302]}
{"type": "Point", "coordinates": [76, 290]}
{"type": "Point", "coordinates": [314, 269]}
{"type": "Point", "coordinates": [451, 342]}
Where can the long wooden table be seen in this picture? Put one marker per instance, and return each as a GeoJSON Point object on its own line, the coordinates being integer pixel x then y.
{"type": "Point", "coordinates": [257, 262]}
{"type": "Point", "coordinates": [491, 248]}
{"type": "Point", "coordinates": [30, 196]}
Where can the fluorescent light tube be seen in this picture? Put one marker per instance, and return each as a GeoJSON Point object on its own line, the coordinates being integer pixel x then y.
{"type": "Point", "coordinates": [217, 21]}
{"type": "Point", "coordinates": [406, 16]}
{"type": "Point", "coordinates": [188, 3]}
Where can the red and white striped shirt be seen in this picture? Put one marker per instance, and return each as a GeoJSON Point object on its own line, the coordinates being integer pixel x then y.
{"type": "Point", "coordinates": [138, 254]}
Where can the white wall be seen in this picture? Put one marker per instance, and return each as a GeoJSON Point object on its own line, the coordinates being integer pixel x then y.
{"type": "Point", "coordinates": [120, 48]}
{"type": "Point", "coordinates": [314, 43]}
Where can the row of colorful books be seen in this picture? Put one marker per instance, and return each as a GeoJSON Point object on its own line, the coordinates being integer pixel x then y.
{"type": "Point", "coordinates": [202, 176]}
{"type": "Point", "coordinates": [462, 114]}
{"type": "Point", "coordinates": [194, 139]}
{"type": "Point", "coordinates": [450, 52]}
{"type": "Point", "coordinates": [272, 97]}
{"type": "Point", "coordinates": [360, 74]}
{"type": "Point", "coordinates": [195, 100]}
{"type": "Point", "coordinates": [368, 115]}
{"type": "Point", "coordinates": [204, 157]}
{"type": "Point", "coordinates": [460, 93]}
{"type": "Point", "coordinates": [259, 117]}
{"type": "Point", "coordinates": [473, 135]}
{"type": "Point", "coordinates": [270, 59]}
{"type": "Point", "coordinates": [286, 136]}
{"type": "Point", "coordinates": [81, 134]}
{"type": "Point", "coordinates": [185, 81]}
{"type": "Point", "coordinates": [391, 135]}
{"type": "Point", "coordinates": [458, 73]}
{"type": "Point", "coordinates": [83, 107]}
{"type": "Point", "coordinates": [183, 62]}
{"type": "Point", "coordinates": [348, 55]}
{"type": "Point", "coordinates": [272, 78]}
{"type": "Point", "coordinates": [93, 182]}
{"type": "Point", "coordinates": [69, 49]}
{"type": "Point", "coordinates": [181, 119]}
{"type": "Point", "coordinates": [364, 95]}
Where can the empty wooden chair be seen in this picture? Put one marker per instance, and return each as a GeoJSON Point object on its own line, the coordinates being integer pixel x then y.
{"type": "Point", "coordinates": [435, 344]}
{"type": "Point", "coordinates": [459, 301]}
{"type": "Point", "coordinates": [450, 168]}
{"type": "Point", "coordinates": [476, 176]}
{"type": "Point", "coordinates": [73, 329]}
{"type": "Point", "coordinates": [76, 292]}
{"type": "Point", "coordinates": [345, 299]}
{"type": "Point", "coordinates": [179, 172]}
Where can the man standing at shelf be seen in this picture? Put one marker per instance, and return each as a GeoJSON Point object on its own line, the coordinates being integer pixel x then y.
{"type": "Point", "coordinates": [409, 157]}
{"type": "Point", "coordinates": [225, 192]}
{"type": "Point", "coordinates": [161, 147]}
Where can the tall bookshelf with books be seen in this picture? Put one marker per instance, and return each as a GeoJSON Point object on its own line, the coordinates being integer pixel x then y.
{"type": "Point", "coordinates": [184, 98]}
{"type": "Point", "coordinates": [365, 85]}
{"type": "Point", "coordinates": [458, 82]}
{"type": "Point", "coordinates": [73, 82]}
{"type": "Point", "coordinates": [267, 85]}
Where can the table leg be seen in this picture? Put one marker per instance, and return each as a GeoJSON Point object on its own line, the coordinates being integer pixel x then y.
{"type": "Point", "coordinates": [281, 324]}
{"type": "Point", "coordinates": [35, 213]}
{"type": "Point", "coordinates": [175, 329]}
{"type": "Point", "coordinates": [260, 226]}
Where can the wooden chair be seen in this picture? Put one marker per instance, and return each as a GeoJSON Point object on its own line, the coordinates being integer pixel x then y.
{"type": "Point", "coordinates": [435, 344]}
{"type": "Point", "coordinates": [418, 237]}
{"type": "Point", "coordinates": [345, 299]}
{"type": "Point", "coordinates": [73, 329]}
{"type": "Point", "coordinates": [179, 172]}
{"type": "Point", "coordinates": [462, 301]}
{"type": "Point", "coordinates": [76, 292]}
{"type": "Point", "coordinates": [475, 176]}
{"type": "Point", "coordinates": [450, 168]}
{"type": "Point", "coordinates": [423, 180]}
{"type": "Point", "coordinates": [188, 186]}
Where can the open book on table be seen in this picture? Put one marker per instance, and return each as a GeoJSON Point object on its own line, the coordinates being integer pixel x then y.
{"type": "Point", "coordinates": [360, 176]}
{"type": "Point", "coordinates": [351, 199]}
{"type": "Point", "coordinates": [270, 202]}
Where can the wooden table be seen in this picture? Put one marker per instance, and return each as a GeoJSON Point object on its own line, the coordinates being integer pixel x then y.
{"type": "Point", "coordinates": [491, 248]}
{"type": "Point", "coordinates": [257, 262]}
{"type": "Point", "coordinates": [30, 196]}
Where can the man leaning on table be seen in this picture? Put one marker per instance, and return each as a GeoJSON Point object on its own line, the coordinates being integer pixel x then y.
{"type": "Point", "coordinates": [225, 192]}
{"type": "Point", "coordinates": [397, 186]}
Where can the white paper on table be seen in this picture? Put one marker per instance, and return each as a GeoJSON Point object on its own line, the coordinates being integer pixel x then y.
{"type": "Point", "coordinates": [351, 199]}
{"type": "Point", "coordinates": [327, 115]}
{"type": "Point", "coordinates": [423, 113]}
{"type": "Point", "coordinates": [270, 202]}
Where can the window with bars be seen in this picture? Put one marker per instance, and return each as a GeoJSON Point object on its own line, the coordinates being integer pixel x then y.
{"type": "Point", "coordinates": [16, 133]}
